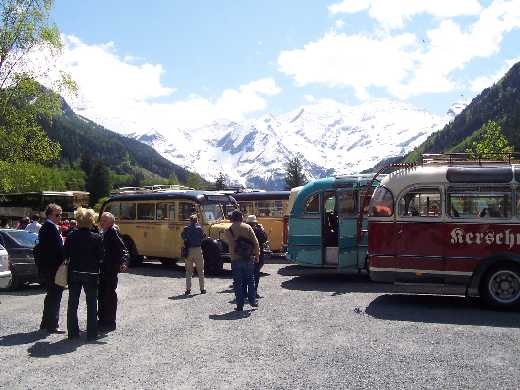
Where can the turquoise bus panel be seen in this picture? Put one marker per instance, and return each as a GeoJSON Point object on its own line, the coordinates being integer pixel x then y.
{"type": "Point", "coordinates": [304, 245]}
{"type": "Point", "coordinates": [348, 248]}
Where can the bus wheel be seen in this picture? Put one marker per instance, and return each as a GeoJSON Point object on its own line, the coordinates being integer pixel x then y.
{"type": "Point", "coordinates": [135, 259]}
{"type": "Point", "coordinates": [501, 287]}
{"type": "Point", "coordinates": [213, 262]}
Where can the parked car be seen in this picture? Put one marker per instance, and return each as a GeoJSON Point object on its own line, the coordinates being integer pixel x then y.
{"type": "Point", "coordinates": [19, 245]}
{"type": "Point", "coordinates": [5, 274]}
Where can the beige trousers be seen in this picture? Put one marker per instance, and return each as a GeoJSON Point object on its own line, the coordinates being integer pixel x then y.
{"type": "Point", "coordinates": [195, 256]}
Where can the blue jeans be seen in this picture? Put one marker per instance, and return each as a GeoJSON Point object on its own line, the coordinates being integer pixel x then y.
{"type": "Point", "coordinates": [243, 275]}
{"type": "Point", "coordinates": [89, 283]}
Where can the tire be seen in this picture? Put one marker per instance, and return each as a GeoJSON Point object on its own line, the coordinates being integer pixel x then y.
{"type": "Point", "coordinates": [500, 288]}
{"type": "Point", "coordinates": [14, 283]}
{"type": "Point", "coordinates": [135, 259]}
{"type": "Point", "coordinates": [213, 262]}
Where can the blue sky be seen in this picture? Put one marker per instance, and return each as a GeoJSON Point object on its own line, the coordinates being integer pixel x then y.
{"type": "Point", "coordinates": [163, 63]}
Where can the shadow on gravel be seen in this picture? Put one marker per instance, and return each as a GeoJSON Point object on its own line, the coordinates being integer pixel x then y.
{"type": "Point", "coordinates": [22, 338]}
{"type": "Point", "coordinates": [336, 284]}
{"type": "Point", "coordinates": [439, 309]}
{"type": "Point", "coordinates": [31, 289]}
{"type": "Point", "coordinates": [172, 271]}
{"type": "Point", "coordinates": [276, 259]}
{"type": "Point", "coordinates": [231, 316]}
{"type": "Point", "coordinates": [180, 297]}
{"type": "Point", "coordinates": [45, 349]}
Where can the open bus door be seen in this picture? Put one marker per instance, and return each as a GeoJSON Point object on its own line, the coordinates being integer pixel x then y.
{"type": "Point", "coordinates": [347, 204]}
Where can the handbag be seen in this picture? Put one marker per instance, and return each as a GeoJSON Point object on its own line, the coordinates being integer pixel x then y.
{"type": "Point", "coordinates": [61, 278]}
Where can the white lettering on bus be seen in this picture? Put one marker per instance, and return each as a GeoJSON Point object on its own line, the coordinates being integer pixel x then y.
{"type": "Point", "coordinates": [507, 238]}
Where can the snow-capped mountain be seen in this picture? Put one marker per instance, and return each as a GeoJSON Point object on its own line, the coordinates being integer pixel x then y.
{"type": "Point", "coordinates": [331, 138]}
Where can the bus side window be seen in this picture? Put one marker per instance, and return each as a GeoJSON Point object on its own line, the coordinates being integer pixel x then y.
{"type": "Point", "coordinates": [171, 210]}
{"type": "Point", "coordinates": [114, 208]}
{"type": "Point", "coordinates": [421, 202]}
{"type": "Point", "coordinates": [347, 203]}
{"type": "Point", "coordinates": [263, 208]}
{"type": "Point", "coordinates": [483, 202]}
{"type": "Point", "coordinates": [312, 204]}
{"type": "Point", "coordinates": [146, 211]}
{"type": "Point", "coordinates": [127, 211]}
{"type": "Point", "coordinates": [161, 211]}
{"type": "Point", "coordinates": [185, 210]}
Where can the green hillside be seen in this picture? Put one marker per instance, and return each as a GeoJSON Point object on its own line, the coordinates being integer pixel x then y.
{"type": "Point", "coordinates": [79, 136]}
{"type": "Point", "coordinates": [499, 103]}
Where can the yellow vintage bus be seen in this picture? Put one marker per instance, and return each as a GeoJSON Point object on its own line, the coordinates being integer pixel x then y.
{"type": "Point", "coordinates": [271, 210]}
{"type": "Point", "coordinates": [151, 222]}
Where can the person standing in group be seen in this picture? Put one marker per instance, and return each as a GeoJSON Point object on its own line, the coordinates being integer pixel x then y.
{"type": "Point", "coordinates": [22, 224]}
{"type": "Point", "coordinates": [114, 261]}
{"type": "Point", "coordinates": [49, 258]}
{"type": "Point", "coordinates": [245, 251]}
{"type": "Point", "coordinates": [84, 249]}
{"type": "Point", "coordinates": [261, 236]}
{"type": "Point", "coordinates": [193, 236]}
{"type": "Point", "coordinates": [34, 226]}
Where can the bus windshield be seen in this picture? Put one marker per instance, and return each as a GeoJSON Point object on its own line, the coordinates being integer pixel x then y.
{"type": "Point", "coordinates": [212, 212]}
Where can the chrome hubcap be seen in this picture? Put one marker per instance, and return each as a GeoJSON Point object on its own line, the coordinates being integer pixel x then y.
{"type": "Point", "coordinates": [504, 286]}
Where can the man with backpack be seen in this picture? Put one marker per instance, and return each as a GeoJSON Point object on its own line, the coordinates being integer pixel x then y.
{"type": "Point", "coordinates": [261, 236]}
{"type": "Point", "coordinates": [245, 251]}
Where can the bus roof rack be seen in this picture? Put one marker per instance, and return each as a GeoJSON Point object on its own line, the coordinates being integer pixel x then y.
{"type": "Point", "coordinates": [471, 159]}
{"type": "Point", "coordinates": [148, 189]}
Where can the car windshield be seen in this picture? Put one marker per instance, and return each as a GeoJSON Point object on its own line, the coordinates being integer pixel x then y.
{"type": "Point", "coordinates": [23, 238]}
{"type": "Point", "coordinates": [212, 212]}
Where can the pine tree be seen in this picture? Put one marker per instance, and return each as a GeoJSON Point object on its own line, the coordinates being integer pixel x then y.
{"type": "Point", "coordinates": [295, 176]}
{"type": "Point", "coordinates": [98, 182]}
{"type": "Point", "coordinates": [491, 143]}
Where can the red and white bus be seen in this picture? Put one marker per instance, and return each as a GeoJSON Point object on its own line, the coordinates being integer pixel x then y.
{"type": "Point", "coordinates": [451, 225]}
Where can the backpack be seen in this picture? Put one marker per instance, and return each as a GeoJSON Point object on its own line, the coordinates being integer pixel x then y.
{"type": "Point", "coordinates": [260, 234]}
{"type": "Point", "coordinates": [243, 247]}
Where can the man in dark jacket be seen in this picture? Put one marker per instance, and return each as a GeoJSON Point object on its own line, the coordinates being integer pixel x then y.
{"type": "Point", "coordinates": [261, 236]}
{"type": "Point", "coordinates": [192, 236]}
{"type": "Point", "coordinates": [50, 255]}
{"type": "Point", "coordinates": [114, 261]}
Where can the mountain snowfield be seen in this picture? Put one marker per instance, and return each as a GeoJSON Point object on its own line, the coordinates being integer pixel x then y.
{"type": "Point", "coordinates": [330, 137]}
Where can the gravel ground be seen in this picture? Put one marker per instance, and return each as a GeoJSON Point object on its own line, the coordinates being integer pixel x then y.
{"type": "Point", "coordinates": [311, 331]}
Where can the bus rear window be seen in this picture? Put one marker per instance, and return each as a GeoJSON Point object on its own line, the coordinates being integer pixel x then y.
{"type": "Point", "coordinates": [382, 203]}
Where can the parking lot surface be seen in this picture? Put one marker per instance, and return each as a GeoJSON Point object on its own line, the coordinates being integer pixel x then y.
{"type": "Point", "coordinates": [312, 330]}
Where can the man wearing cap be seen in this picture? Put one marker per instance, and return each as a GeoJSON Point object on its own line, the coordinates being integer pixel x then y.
{"type": "Point", "coordinates": [261, 236]}
{"type": "Point", "coordinates": [238, 237]}
{"type": "Point", "coordinates": [193, 236]}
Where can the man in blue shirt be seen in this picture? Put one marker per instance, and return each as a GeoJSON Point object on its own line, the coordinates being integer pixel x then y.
{"type": "Point", "coordinates": [193, 236]}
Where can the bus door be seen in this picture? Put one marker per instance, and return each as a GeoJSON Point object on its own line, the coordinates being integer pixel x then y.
{"type": "Point", "coordinates": [347, 206]}
{"type": "Point", "coordinates": [329, 229]}
{"type": "Point", "coordinates": [305, 243]}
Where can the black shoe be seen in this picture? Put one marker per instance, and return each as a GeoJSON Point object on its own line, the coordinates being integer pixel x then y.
{"type": "Point", "coordinates": [92, 338]}
{"type": "Point", "coordinates": [187, 292]}
{"type": "Point", "coordinates": [254, 304]}
{"type": "Point", "coordinates": [73, 336]}
{"type": "Point", "coordinates": [238, 308]}
{"type": "Point", "coordinates": [55, 331]}
{"type": "Point", "coordinates": [203, 291]}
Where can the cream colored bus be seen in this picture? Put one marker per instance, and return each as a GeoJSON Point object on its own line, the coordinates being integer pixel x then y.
{"type": "Point", "coordinates": [151, 222]}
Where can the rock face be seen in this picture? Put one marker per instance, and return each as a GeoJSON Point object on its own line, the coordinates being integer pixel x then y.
{"type": "Point", "coordinates": [330, 137]}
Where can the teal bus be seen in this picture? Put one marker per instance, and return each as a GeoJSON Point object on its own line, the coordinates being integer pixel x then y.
{"type": "Point", "coordinates": [324, 228]}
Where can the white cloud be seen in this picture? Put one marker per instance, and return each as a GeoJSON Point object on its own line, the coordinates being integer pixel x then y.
{"type": "Point", "coordinates": [309, 98]}
{"type": "Point", "coordinates": [401, 63]}
{"type": "Point", "coordinates": [339, 24]}
{"type": "Point", "coordinates": [119, 94]}
{"type": "Point", "coordinates": [483, 82]}
{"type": "Point", "coordinates": [351, 60]}
{"type": "Point", "coordinates": [393, 14]}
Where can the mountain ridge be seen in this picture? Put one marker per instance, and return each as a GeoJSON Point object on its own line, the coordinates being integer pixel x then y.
{"type": "Point", "coordinates": [330, 137]}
